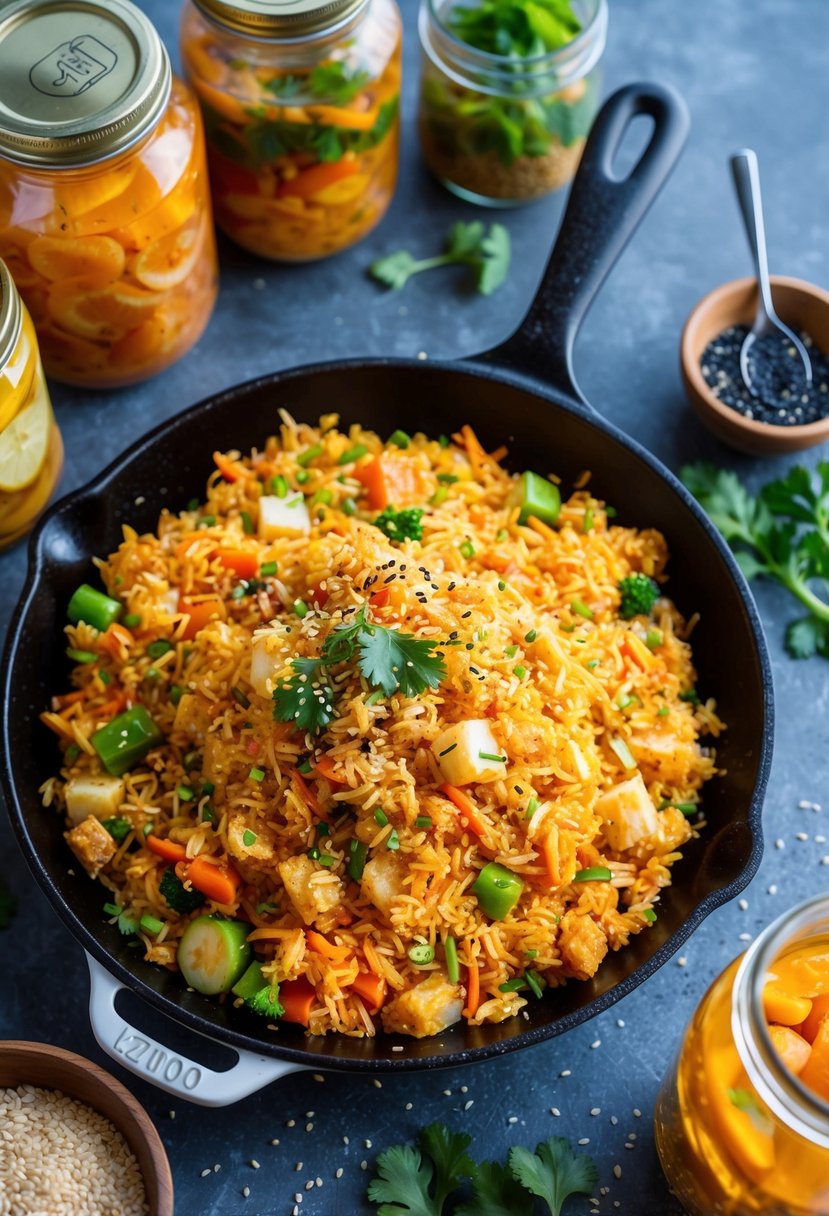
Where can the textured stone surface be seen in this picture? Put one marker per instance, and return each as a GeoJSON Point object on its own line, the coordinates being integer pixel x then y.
{"type": "Point", "coordinates": [754, 76]}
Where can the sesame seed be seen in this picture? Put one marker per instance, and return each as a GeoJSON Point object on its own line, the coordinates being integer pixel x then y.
{"type": "Point", "coordinates": [779, 844]}
{"type": "Point", "coordinates": [309, 1185]}
{"type": "Point", "coordinates": [565, 1073]}
{"type": "Point", "coordinates": [512, 1119]}
{"type": "Point", "coordinates": [617, 1171]}
{"type": "Point", "coordinates": [596, 1043]}
{"type": "Point", "coordinates": [613, 1120]}
{"type": "Point", "coordinates": [216, 1168]}
{"type": "Point", "coordinates": [368, 1144]}
{"type": "Point", "coordinates": [309, 1127]}
{"type": "Point", "coordinates": [346, 1140]}
{"type": "Point", "coordinates": [637, 1114]}
{"type": "Point", "coordinates": [824, 861]}
{"type": "Point", "coordinates": [364, 1165]}
{"type": "Point", "coordinates": [447, 1093]}
{"type": "Point", "coordinates": [204, 1173]}
{"type": "Point", "coordinates": [298, 1166]}
{"type": "Point", "coordinates": [820, 840]}
{"type": "Point", "coordinates": [555, 1111]}
{"type": "Point", "coordinates": [254, 1164]}
{"type": "Point", "coordinates": [620, 1022]}
{"type": "Point", "coordinates": [464, 1089]}
{"type": "Point", "coordinates": [773, 889]}
{"type": "Point", "coordinates": [319, 1077]}
{"type": "Point", "coordinates": [743, 905]}
{"type": "Point", "coordinates": [291, 1123]}
{"type": "Point", "coordinates": [682, 961]}
{"type": "Point", "coordinates": [245, 1191]}
{"type": "Point", "coordinates": [408, 1106]}
{"type": "Point", "coordinates": [630, 1145]}
{"type": "Point", "coordinates": [584, 1140]}
{"type": "Point", "coordinates": [468, 1104]}
{"type": "Point", "coordinates": [395, 1048]}
{"type": "Point", "coordinates": [171, 1114]}
{"type": "Point", "coordinates": [596, 1110]}
{"type": "Point", "coordinates": [377, 1084]}
{"type": "Point", "coordinates": [745, 937]}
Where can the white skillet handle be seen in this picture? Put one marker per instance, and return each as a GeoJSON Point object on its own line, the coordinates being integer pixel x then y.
{"type": "Point", "coordinates": [175, 1074]}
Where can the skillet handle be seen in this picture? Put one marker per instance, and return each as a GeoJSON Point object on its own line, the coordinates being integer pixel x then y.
{"type": "Point", "coordinates": [603, 211]}
{"type": "Point", "coordinates": [175, 1074]}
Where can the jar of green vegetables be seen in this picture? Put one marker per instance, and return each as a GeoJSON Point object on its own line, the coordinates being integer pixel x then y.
{"type": "Point", "coordinates": [509, 90]}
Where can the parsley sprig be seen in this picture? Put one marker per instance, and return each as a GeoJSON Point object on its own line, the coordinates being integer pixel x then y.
{"type": "Point", "coordinates": [783, 534]}
{"type": "Point", "coordinates": [487, 253]}
{"type": "Point", "coordinates": [417, 1181]}
{"type": "Point", "coordinates": [334, 82]}
{"type": "Point", "coordinates": [389, 660]}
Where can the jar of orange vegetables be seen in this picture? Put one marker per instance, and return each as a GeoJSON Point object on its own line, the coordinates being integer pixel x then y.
{"type": "Point", "coordinates": [742, 1120]}
{"type": "Point", "coordinates": [105, 218]}
{"type": "Point", "coordinates": [31, 450]}
{"type": "Point", "coordinates": [301, 108]}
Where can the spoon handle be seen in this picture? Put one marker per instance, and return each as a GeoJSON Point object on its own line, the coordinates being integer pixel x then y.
{"type": "Point", "coordinates": [746, 173]}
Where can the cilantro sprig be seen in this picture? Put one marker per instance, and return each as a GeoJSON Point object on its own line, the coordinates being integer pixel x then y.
{"type": "Point", "coordinates": [783, 534]}
{"type": "Point", "coordinates": [389, 660]}
{"type": "Point", "coordinates": [486, 252]}
{"type": "Point", "coordinates": [515, 27]}
{"type": "Point", "coordinates": [417, 1181]}
{"type": "Point", "coordinates": [334, 82]}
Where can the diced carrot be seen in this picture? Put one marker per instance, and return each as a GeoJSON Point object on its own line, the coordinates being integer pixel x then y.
{"type": "Point", "coordinates": [372, 988]}
{"type": "Point", "coordinates": [380, 598]}
{"type": "Point", "coordinates": [785, 1007]}
{"type": "Point", "coordinates": [820, 1009]}
{"type": "Point", "coordinates": [199, 614]}
{"type": "Point", "coordinates": [816, 1071]}
{"type": "Point", "coordinates": [326, 767]}
{"type": "Point", "coordinates": [245, 564]}
{"type": "Point", "coordinates": [392, 479]}
{"type": "Point", "coordinates": [739, 1131]}
{"type": "Point", "coordinates": [309, 181]}
{"type": "Point", "coordinates": [467, 808]}
{"type": "Point", "coordinates": [372, 477]}
{"type": "Point", "coordinates": [635, 649]}
{"type": "Point", "coordinates": [186, 541]}
{"type": "Point", "coordinates": [307, 794]}
{"type": "Point", "coordinates": [319, 595]}
{"type": "Point", "coordinates": [252, 747]}
{"type": "Point", "coordinates": [473, 991]}
{"type": "Point", "coordinates": [321, 945]}
{"type": "Point", "coordinates": [219, 882]}
{"type": "Point", "coordinates": [549, 855]}
{"type": "Point", "coordinates": [393, 597]}
{"type": "Point", "coordinates": [297, 998]}
{"type": "Point", "coordinates": [792, 1048]}
{"type": "Point", "coordinates": [170, 850]}
{"type": "Point", "coordinates": [115, 639]}
{"type": "Point", "coordinates": [228, 468]}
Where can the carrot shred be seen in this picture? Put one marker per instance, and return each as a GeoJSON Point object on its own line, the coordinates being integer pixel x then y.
{"type": "Point", "coordinates": [245, 564]}
{"type": "Point", "coordinates": [372, 477]}
{"type": "Point", "coordinates": [636, 650]}
{"type": "Point", "coordinates": [474, 449]}
{"type": "Point", "coordinates": [114, 639]}
{"type": "Point", "coordinates": [466, 807]}
{"type": "Point", "coordinates": [372, 989]}
{"type": "Point", "coordinates": [199, 614]}
{"type": "Point", "coordinates": [380, 598]}
{"type": "Point", "coordinates": [473, 991]}
{"type": "Point", "coordinates": [67, 698]}
{"type": "Point", "coordinates": [307, 794]}
{"type": "Point", "coordinates": [549, 855]}
{"type": "Point", "coordinates": [219, 882]}
{"type": "Point", "coordinates": [309, 182]}
{"type": "Point", "coordinates": [498, 455]}
{"type": "Point", "coordinates": [226, 467]}
{"type": "Point", "coordinates": [321, 945]}
{"type": "Point", "coordinates": [541, 528]}
{"type": "Point", "coordinates": [297, 998]}
{"type": "Point", "coordinates": [325, 767]}
{"type": "Point", "coordinates": [186, 541]}
{"type": "Point", "coordinates": [170, 850]}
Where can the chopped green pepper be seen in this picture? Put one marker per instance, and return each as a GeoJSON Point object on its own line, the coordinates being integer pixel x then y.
{"type": "Point", "coordinates": [81, 656]}
{"type": "Point", "coordinates": [126, 740]}
{"type": "Point", "coordinates": [537, 496]}
{"type": "Point", "coordinates": [453, 970]}
{"type": "Point", "coordinates": [498, 890]}
{"type": "Point", "coordinates": [93, 607]}
{"type": "Point", "coordinates": [593, 874]}
{"type": "Point", "coordinates": [400, 439]}
{"type": "Point", "coordinates": [357, 854]}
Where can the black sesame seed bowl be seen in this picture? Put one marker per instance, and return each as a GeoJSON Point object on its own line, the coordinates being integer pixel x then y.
{"type": "Point", "coordinates": [710, 345]}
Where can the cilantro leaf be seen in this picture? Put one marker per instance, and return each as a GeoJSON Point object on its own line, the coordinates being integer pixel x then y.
{"type": "Point", "coordinates": [494, 265]}
{"type": "Point", "coordinates": [486, 253]}
{"type": "Point", "coordinates": [391, 660]}
{"type": "Point", "coordinates": [337, 83]}
{"type": "Point", "coordinates": [464, 238]}
{"type": "Point", "coordinates": [394, 271]}
{"type": "Point", "coordinates": [807, 637]}
{"type": "Point", "coordinates": [496, 1193]}
{"type": "Point", "coordinates": [341, 642]}
{"type": "Point", "coordinates": [402, 1185]}
{"type": "Point", "coordinates": [447, 1150]}
{"type": "Point", "coordinates": [305, 699]}
{"type": "Point", "coordinates": [553, 1172]}
{"type": "Point", "coordinates": [401, 525]}
{"type": "Point", "coordinates": [8, 904]}
{"type": "Point", "coordinates": [284, 86]}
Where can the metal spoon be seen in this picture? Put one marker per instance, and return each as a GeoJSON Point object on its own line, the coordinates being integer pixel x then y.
{"type": "Point", "coordinates": [746, 173]}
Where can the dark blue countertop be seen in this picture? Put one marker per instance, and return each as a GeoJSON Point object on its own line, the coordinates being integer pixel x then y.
{"type": "Point", "coordinates": [754, 73]}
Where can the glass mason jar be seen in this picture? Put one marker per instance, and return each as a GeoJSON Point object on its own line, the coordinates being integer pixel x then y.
{"type": "Point", "coordinates": [737, 1131]}
{"type": "Point", "coordinates": [301, 109]}
{"type": "Point", "coordinates": [31, 450]}
{"type": "Point", "coordinates": [105, 219]}
{"type": "Point", "coordinates": [501, 130]}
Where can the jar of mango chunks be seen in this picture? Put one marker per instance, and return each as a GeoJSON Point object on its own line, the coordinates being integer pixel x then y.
{"type": "Point", "coordinates": [105, 218]}
{"type": "Point", "coordinates": [301, 109]}
{"type": "Point", "coordinates": [742, 1120]}
{"type": "Point", "coordinates": [31, 450]}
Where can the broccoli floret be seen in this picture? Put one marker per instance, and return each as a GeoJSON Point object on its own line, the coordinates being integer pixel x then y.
{"type": "Point", "coordinates": [266, 1002]}
{"type": "Point", "coordinates": [176, 894]}
{"type": "Point", "coordinates": [639, 594]}
{"type": "Point", "coordinates": [401, 525]}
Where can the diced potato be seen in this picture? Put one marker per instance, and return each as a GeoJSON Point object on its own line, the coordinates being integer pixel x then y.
{"type": "Point", "coordinates": [259, 849]}
{"type": "Point", "coordinates": [193, 717]}
{"type": "Point", "coordinates": [792, 1048]}
{"type": "Point", "coordinates": [311, 900]}
{"type": "Point", "coordinates": [583, 944]}
{"type": "Point", "coordinates": [382, 881]}
{"type": "Point", "coordinates": [266, 661]}
{"type": "Point", "coordinates": [459, 750]}
{"type": "Point", "coordinates": [665, 757]}
{"type": "Point", "coordinates": [426, 1009]}
{"type": "Point", "coordinates": [92, 845]}
{"type": "Point", "coordinates": [283, 516]}
{"type": "Point", "coordinates": [93, 795]}
{"type": "Point", "coordinates": [627, 814]}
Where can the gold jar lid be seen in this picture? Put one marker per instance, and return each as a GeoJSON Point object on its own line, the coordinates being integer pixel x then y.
{"type": "Point", "coordinates": [11, 314]}
{"type": "Point", "coordinates": [82, 80]}
{"type": "Point", "coordinates": [280, 18]}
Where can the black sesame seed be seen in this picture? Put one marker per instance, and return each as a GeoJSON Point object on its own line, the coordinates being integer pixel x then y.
{"type": "Point", "coordinates": [784, 398]}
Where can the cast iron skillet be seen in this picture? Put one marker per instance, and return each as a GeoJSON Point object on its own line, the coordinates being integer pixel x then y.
{"type": "Point", "coordinates": [523, 394]}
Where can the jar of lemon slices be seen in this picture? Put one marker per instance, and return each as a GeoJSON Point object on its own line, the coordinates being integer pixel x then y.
{"type": "Point", "coordinates": [105, 218]}
{"type": "Point", "coordinates": [31, 450]}
{"type": "Point", "coordinates": [301, 107]}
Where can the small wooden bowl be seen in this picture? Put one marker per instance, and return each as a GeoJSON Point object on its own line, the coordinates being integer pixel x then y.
{"type": "Point", "coordinates": [49, 1067]}
{"type": "Point", "coordinates": [802, 306]}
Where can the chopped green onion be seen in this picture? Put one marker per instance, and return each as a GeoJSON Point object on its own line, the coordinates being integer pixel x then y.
{"type": "Point", "coordinates": [593, 874]}
{"type": "Point", "coordinates": [400, 439]}
{"type": "Point", "coordinates": [531, 953]}
{"type": "Point", "coordinates": [72, 752]}
{"type": "Point", "coordinates": [248, 838]}
{"type": "Point", "coordinates": [649, 915]}
{"type": "Point", "coordinates": [536, 983]}
{"type": "Point", "coordinates": [348, 506]}
{"type": "Point", "coordinates": [147, 828]}
{"type": "Point", "coordinates": [185, 793]}
{"type": "Point", "coordinates": [623, 752]}
{"type": "Point", "coordinates": [325, 859]}
{"type": "Point", "coordinates": [176, 693]}
{"type": "Point", "coordinates": [421, 954]}
{"type": "Point", "coordinates": [151, 925]}
{"type": "Point", "coordinates": [314, 853]}
{"type": "Point", "coordinates": [112, 910]}
{"type": "Point", "coordinates": [687, 808]}
{"type": "Point", "coordinates": [582, 609]}
{"type": "Point", "coordinates": [626, 702]}
{"type": "Point", "coordinates": [531, 636]}
{"type": "Point", "coordinates": [511, 652]}
{"type": "Point", "coordinates": [502, 586]}
{"type": "Point", "coordinates": [268, 568]}
{"type": "Point", "coordinates": [93, 608]}
{"type": "Point", "coordinates": [381, 817]}
{"type": "Point", "coordinates": [239, 591]}
{"type": "Point", "coordinates": [240, 697]}
{"type": "Point", "coordinates": [492, 756]}
{"type": "Point", "coordinates": [439, 497]}
{"type": "Point", "coordinates": [306, 766]}
{"type": "Point", "coordinates": [467, 549]}
{"type": "Point", "coordinates": [323, 829]}
{"type": "Point", "coordinates": [353, 454]}
{"type": "Point", "coordinates": [393, 840]}
{"type": "Point", "coordinates": [502, 534]}
{"type": "Point", "coordinates": [132, 620]}
{"type": "Point", "coordinates": [663, 711]}
{"type": "Point", "coordinates": [247, 523]}
{"type": "Point", "coordinates": [158, 648]}
{"type": "Point", "coordinates": [513, 985]}
{"type": "Point", "coordinates": [587, 525]}
{"type": "Point", "coordinates": [153, 673]}
{"type": "Point", "coordinates": [690, 695]}
{"type": "Point", "coordinates": [357, 854]}
{"type": "Point", "coordinates": [279, 486]}
{"type": "Point", "coordinates": [262, 908]}
{"type": "Point", "coordinates": [519, 672]}
{"type": "Point", "coordinates": [104, 677]}
{"type": "Point", "coordinates": [119, 829]}
{"type": "Point", "coordinates": [206, 521]}
{"type": "Point", "coordinates": [301, 608]}
{"type": "Point", "coordinates": [323, 497]}
{"type": "Point", "coordinates": [191, 761]}
{"type": "Point", "coordinates": [610, 512]}
{"type": "Point", "coordinates": [448, 749]}
{"type": "Point", "coordinates": [257, 774]}
{"type": "Point", "coordinates": [81, 656]}
{"type": "Point", "coordinates": [593, 663]}
{"type": "Point", "coordinates": [453, 970]}
{"type": "Point", "coordinates": [374, 698]}
{"type": "Point", "coordinates": [208, 815]}
{"type": "Point", "coordinates": [207, 787]}
{"type": "Point", "coordinates": [448, 479]}
{"type": "Point", "coordinates": [423, 821]}
{"type": "Point", "coordinates": [193, 504]}
{"type": "Point", "coordinates": [443, 440]}
{"type": "Point", "coordinates": [532, 807]}
{"type": "Point", "coordinates": [302, 477]}
{"type": "Point", "coordinates": [309, 454]}
{"type": "Point", "coordinates": [653, 638]}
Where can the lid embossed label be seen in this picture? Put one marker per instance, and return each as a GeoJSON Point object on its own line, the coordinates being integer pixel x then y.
{"type": "Point", "coordinates": [73, 67]}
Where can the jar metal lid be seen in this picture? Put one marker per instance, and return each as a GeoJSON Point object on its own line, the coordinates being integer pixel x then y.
{"type": "Point", "coordinates": [280, 18]}
{"type": "Point", "coordinates": [82, 80]}
{"type": "Point", "coordinates": [11, 314]}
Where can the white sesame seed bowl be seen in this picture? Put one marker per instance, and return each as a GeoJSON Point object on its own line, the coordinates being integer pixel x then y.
{"type": "Point", "coordinates": [74, 1140]}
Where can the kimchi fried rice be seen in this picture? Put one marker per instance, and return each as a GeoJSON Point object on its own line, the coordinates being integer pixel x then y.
{"type": "Point", "coordinates": [383, 713]}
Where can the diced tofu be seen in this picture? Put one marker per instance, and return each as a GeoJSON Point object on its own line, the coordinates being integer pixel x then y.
{"type": "Point", "coordinates": [92, 845]}
{"type": "Point", "coordinates": [260, 848]}
{"type": "Point", "coordinates": [667, 758]}
{"type": "Point", "coordinates": [627, 814]}
{"type": "Point", "coordinates": [382, 881]}
{"type": "Point", "coordinates": [90, 795]}
{"type": "Point", "coordinates": [460, 750]}
{"type": "Point", "coordinates": [266, 661]}
{"type": "Point", "coordinates": [193, 717]}
{"type": "Point", "coordinates": [283, 516]}
{"type": "Point", "coordinates": [426, 1009]}
{"type": "Point", "coordinates": [583, 944]}
{"type": "Point", "coordinates": [311, 899]}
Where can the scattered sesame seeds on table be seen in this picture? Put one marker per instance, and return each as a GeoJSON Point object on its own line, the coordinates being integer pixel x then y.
{"type": "Point", "coordinates": [315, 1137]}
